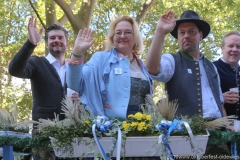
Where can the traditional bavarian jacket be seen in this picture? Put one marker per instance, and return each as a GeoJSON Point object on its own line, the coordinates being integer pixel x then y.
{"type": "Point", "coordinates": [185, 85]}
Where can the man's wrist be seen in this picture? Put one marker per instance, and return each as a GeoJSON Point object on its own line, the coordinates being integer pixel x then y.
{"type": "Point", "coordinates": [76, 55]}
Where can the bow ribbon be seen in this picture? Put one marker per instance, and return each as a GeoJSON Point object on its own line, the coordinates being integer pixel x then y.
{"type": "Point", "coordinates": [102, 124]}
{"type": "Point", "coordinates": [168, 127]}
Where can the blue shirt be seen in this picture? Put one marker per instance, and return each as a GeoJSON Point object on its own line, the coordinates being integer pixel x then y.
{"type": "Point", "coordinates": [104, 79]}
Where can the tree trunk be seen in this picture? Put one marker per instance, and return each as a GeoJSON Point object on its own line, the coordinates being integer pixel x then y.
{"type": "Point", "coordinates": [142, 13]}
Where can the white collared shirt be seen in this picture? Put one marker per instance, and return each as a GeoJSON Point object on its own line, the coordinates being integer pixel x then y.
{"type": "Point", "coordinates": [136, 70]}
{"type": "Point", "coordinates": [61, 70]}
{"type": "Point", "coordinates": [167, 71]}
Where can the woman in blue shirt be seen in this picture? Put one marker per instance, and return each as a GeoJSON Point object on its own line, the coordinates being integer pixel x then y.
{"type": "Point", "coordinates": [114, 82]}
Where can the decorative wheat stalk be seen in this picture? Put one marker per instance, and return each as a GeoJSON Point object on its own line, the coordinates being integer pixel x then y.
{"type": "Point", "coordinates": [24, 124]}
{"type": "Point", "coordinates": [15, 112]}
{"type": "Point", "coordinates": [75, 111]}
{"type": "Point", "coordinates": [6, 119]}
{"type": "Point", "coordinates": [165, 108]}
{"type": "Point", "coordinates": [71, 110]}
{"type": "Point", "coordinates": [220, 122]}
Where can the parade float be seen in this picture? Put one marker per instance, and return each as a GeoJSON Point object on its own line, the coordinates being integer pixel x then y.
{"type": "Point", "coordinates": [157, 131]}
{"type": "Point", "coordinates": [154, 132]}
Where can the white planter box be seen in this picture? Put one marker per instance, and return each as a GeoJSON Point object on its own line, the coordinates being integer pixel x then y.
{"type": "Point", "coordinates": [136, 146]}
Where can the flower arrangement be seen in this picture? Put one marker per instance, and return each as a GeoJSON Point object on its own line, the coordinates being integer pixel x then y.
{"type": "Point", "coordinates": [138, 124]}
{"type": "Point", "coordinates": [79, 122]}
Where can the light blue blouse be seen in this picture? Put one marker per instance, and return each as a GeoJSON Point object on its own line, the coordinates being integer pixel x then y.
{"type": "Point", "coordinates": [104, 79]}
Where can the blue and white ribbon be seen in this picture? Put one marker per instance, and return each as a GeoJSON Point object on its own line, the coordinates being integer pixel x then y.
{"type": "Point", "coordinates": [168, 127]}
{"type": "Point", "coordinates": [194, 144]}
{"type": "Point", "coordinates": [234, 151]}
{"type": "Point", "coordinates": [103, 125]}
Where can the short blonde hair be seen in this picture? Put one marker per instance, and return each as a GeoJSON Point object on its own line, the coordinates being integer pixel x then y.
{"type": "Point", "coordinates": [233, 32]}
{"type": "Point", "coordinates": [138, 47]}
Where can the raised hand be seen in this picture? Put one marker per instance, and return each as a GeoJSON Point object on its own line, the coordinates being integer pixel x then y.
{"type": "Point", "coordinates": [34, 36]}
{"type": "Point", "coordinates": [167, 22]}
{"type": "Point", "coordinates": [83, 41]}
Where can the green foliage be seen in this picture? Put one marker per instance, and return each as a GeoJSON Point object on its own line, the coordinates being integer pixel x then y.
{"type": "Point", "coordinates": [224, 137]}
{"type": "Point", "coordinates": [196, 123]}
{"type": "Point", "coordinates": [19, 144]}
{"type": "Point", "coordinates": [66, 133]}
{"type": "Point", "coordinates": [26, 144]}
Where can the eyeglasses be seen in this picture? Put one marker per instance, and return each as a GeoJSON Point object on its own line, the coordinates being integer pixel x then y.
{"type": "Point", "coordinates": [120, 33]}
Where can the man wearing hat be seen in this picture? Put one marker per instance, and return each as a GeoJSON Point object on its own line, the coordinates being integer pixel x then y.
{"type": "Point", "coordinates": [189, 77]}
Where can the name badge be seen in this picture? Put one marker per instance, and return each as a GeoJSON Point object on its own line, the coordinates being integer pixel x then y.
{"type": "Point", "coordinates": [189, 71]}
{"type": "Point", "coordinates": [118, 70]}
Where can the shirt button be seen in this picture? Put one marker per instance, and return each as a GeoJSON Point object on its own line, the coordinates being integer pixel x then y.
{"type": "Point", "coordinates": [199, 110]}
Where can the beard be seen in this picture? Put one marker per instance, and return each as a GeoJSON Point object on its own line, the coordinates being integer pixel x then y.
{"type": "Point", "coordinates": [57, 52]}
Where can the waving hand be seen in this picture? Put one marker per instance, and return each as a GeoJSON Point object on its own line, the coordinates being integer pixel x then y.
{"type": "Point", "coordinates": [34, 36]}
{"type": "Point", "coordinates": [167, 22]}
{"type": "Point", "coordinates": [83, 41]}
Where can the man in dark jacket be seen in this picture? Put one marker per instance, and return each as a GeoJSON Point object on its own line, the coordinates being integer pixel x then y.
{"type": "Point", "coordinates": [229, 72]}
{"type": "Point", "coordinates": [47, 74]}
{"type": "Point", "coordinates": [228, 69]}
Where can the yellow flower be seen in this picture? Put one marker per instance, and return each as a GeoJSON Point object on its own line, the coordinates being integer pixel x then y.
{"type": "Point", "coordinates": [86, 122]}
{"type": "Point", "coordinates": [141, 126]}
{"type": "Point", "coordinates": [130, 116]}
{"type": "Point", "coordinates": [148, 125]}
{"type": "Point", "coordinates": [148, 117]}
{"type": "Point", "coordinates": [138, 116]}
{"type": "Point", "coordinates": [144, 116]}
{"type": "Point", "coordinates": [125, 125]}
{"type": "Point", "coordinates": [134, 124]}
